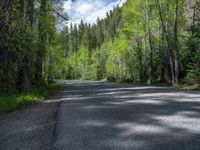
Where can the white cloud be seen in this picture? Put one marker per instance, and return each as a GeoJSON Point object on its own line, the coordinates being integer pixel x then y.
{"type": "Point", "coordinates": [89, 10]}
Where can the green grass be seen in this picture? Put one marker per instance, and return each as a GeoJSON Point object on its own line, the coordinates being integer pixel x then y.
{"type": "Point", "coordinates": [11, 101]}
{"type": "Point", "coordinates": [191, 87]}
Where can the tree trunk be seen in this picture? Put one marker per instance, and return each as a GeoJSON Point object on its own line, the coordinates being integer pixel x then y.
{"type": "Point", "coordinates": [139, 48]}
{"type": "Point", "coordinates": [194, 14]}
{"type": "Point", "coordinates": [42, 38]}
{"type": "Point", "coordinates": [165, 27]}
{"type": "Point", "coordinates": [176, 50]}
{"type": "Point", "coordinates": [151, 56]}
{"type": "Point", "coordinates": [147, 14]}
{"type": "Point", "coordinates": [25, 72]}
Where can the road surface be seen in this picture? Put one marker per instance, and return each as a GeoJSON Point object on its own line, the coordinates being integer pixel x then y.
{"type": "Point", "coordinates": [89, 115]}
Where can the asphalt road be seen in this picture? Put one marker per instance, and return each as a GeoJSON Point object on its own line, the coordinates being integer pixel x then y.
{"type": "Point", "coordinates": [88, 115]}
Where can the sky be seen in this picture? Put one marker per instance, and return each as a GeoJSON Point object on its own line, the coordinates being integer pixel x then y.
{"type": "Point", "coordinates": [89, 10]}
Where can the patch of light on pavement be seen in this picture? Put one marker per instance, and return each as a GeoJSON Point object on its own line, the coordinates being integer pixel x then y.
{"type": "Point", "coordinates": [180, 120]}
{"type": "Point", "coordinates": [158, 102]}
{"type": "Point", "coordinates": [136, 128]}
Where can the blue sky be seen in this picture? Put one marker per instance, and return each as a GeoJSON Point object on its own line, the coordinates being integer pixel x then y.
{"type": "Point", "coordinates": [89, 10]}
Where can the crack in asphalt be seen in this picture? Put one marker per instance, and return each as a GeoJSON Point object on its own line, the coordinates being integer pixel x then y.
{"type": "Point", "coordinates": [54, 136]}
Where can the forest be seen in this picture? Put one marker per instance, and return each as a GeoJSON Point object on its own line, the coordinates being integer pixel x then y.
{"type": "Point", "coordinates": [127, 79]}
{"type": "Point", "coordinates": [142, 42]}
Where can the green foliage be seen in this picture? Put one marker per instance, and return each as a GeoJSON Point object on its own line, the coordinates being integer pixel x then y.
{"type": "Point", "coordinates": [192, 52]}
{"type": "Point", "coordinates": [138, 43]}
{"type": "Point", "coordinates": [116, 61]}
{"type": "Point", "coordinates": [194, 86]}
{"type": "Point", "coordinates": [30, 55]}
{"type": "Point", "coordinates": [54, 86]}
{"type": "Point", "coordinates": [141, 42]}
{"type": "Point", "coordinates": [91, 59]}
{"type": "Point", "coordinates": [11, 101]}
{"type": "Point", "coordinates": [57, 58]}
{"type": "Point", "coordinates": [193, 66]}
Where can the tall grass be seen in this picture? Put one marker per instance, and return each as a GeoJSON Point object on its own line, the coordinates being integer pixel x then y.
{"type": "Point", "coordinates": [11, 101]}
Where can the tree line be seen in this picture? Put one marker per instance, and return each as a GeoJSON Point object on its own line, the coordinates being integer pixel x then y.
{"type": "Point", "coordinates": [143, 42]}
{"type": "Point", "coordinates": [27, 40]}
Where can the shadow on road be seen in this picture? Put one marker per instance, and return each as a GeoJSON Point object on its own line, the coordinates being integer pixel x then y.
{"type": "Point", "coordinates": [29, 128]}
{"type": "Point", "coordinates": [88, 115]}
{"type": "Point", "coordinates": [101, 116]}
